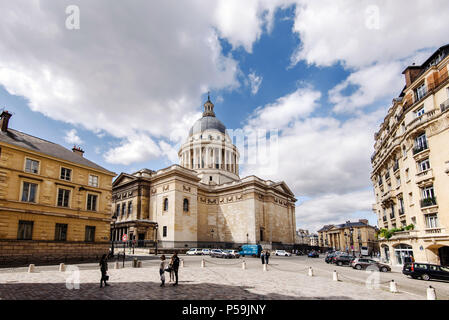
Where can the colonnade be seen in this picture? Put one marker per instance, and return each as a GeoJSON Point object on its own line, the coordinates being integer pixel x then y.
{"type": "Point", "coordinates": [210, 158]}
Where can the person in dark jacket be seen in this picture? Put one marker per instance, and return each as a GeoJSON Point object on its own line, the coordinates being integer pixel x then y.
{"type": "Point", "coordinates": [104, 271]}
{"type": "Point", "coordinates": [175, 267]}
{"type": "Point", "coordinates": [262, 257]}
{"type": "Point", "coordinates": [267, 256]}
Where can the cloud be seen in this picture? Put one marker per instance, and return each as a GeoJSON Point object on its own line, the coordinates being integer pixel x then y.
{"type": "Point", "coordinates": [135, 149]}
{"type": "Point", "coordinates": [255, 82]}
{"type": "Point", "coordinates": [72, 137]}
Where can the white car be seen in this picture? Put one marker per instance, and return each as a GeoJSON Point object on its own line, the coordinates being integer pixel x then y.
{"type": "Point", "coordinates": [205, 252]}
{"type": "Point", "coordinates": [194, 252]}
{"type": "Point", "coordinates": [282, 253]}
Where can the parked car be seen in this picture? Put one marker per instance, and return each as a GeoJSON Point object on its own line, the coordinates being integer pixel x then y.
{"type": "Point", "coordinates": [233, 253]}
{"type": "Point", "coordinates": [194, 251]}
{"type": "Point", "coordinates": [426, 271]}
{"type": "Point", "coordinates": [329, 258]}
{"type": "Point", "coordinates": [282, 253]}
{"type": "Point", "coordinates": [313, 254]}
{"type": "Point", "coordinates": [299, 253]}
{"type": "Point", "coordinates": [217, 253]}
{"type": "Point", "coordinates": [253, 250]}
{"type": "Point", "coordinates": [363, 263]}
{"type": "Point", "coordinates": [205, 252]}
{"type": "Point", "coordinates": [343, 260]}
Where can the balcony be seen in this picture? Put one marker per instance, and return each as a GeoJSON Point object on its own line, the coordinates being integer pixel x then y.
{"type": "Point", "coordinates": [444, 106]}
{"type": "Point", "coordinates": [424, 175]}
{"type": "Point", "coordinates": [429, 202]}
{"type": "Point", "coordinates": [434, 230]}
{"type": "Point", "coordinates": [387, 195]}
{"type": "Point", "coordinates": [420, 148]}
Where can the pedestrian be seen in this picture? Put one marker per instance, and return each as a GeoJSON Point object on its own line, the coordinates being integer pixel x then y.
{"type": "Point", "coordinates": [262, 257]}
{"type": "Point", "coordinates": [175, 267]}
{"type": "Point", "coordinates": [267, 256]}
{"type": "Point", "coordinates": [170, 268]}
{"type": "Point", "coordinates": [162, 270]}
{"type": "Point", "coordinates": [104, 271]}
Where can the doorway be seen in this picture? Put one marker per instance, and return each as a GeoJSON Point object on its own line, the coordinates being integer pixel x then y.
{"type": "Point", "coordinates": [443, 253]}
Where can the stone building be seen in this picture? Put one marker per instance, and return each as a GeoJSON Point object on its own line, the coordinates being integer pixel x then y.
{"type": "Point", "coordinates": [54, 203]}
{"type": "Point", "coordinates": [203, 202]}
{"type": "Point", "coordinates": [411, 166]}
{"type": "Point", "coordinates": [349, 237]}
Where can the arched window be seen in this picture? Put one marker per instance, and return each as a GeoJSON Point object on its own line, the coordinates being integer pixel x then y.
{"type": "Point", "coordinates": [165, 204]}
{"type": "Point", "coordinates": [186, 205]}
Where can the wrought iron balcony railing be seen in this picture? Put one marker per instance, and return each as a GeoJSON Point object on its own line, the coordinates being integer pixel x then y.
{"type": "Point", "coordinates": [428, 202]}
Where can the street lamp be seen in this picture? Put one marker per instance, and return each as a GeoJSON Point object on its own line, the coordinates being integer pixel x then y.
{"type": "Point", "coordinates": [155, 228]}
{"type": "Point", "coordinates": [351, 230]}
{"type": "Point", "coordinates": [212, 235]}
{"type": "Point", "coordinates": [247, 235]}
{"type": "Point", "coordinates": [346, 241]}
{"type": "Point", "coordinates": [114, 219]}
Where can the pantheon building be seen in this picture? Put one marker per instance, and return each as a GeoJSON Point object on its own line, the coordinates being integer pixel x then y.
{"type": "Point", "coordinates": [203, 202]}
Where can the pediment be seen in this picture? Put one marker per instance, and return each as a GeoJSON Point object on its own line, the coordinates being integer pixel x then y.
{"type": "Point", "coordinates": [123, 178]}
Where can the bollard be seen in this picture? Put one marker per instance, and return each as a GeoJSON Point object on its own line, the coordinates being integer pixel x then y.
{"type": "Point", "coordinates": [203, 263]}
{"type": "Point", "coordinates": [335, 276]}
{"type": "Point", "coordinates": [116, 266]}
{"type": "Point", "coordinates": [243, 265]}
{"type": "Point", "coordinates": [139, 264]}
{"type": "Point", "coordinates": [135, 263]}
{"type": "Point", "coordinates": [431, 294]}
{"type": "Point", "coordinates": [31, 268]}
{"type": "Point", "coordinates": [264, 267]}
{"type": "Point", "coordinates": [182, 263]}
{"type": "Point", "coordinates": [310, 272]}
{"type": "Point", "coordinates": [393, 287]}
{"type": "Point", "coordinates": [61, 267]}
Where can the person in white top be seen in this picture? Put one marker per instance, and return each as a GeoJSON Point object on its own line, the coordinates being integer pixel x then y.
{"type": "Point", "coordinates": [162, 270]}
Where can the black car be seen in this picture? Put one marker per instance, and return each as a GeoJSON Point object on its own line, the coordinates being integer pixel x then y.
{"type": "Point", "coordinates": [426, 271]}
{"type": "Point", "coordinates": [329, 258]}
{"type": "Point", "coordinates": [343, 260]}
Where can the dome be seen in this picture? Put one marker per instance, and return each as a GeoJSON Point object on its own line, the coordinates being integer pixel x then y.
{"type": "Point", "coordinates": [207, 123]}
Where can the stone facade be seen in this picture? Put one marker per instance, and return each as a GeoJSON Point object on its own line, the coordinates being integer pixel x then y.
{"type": "Point", "coordinates": [29, 195]}
{"type": "Point", "coordinates": [203, 202]}
{"type": "Point", "coordinates": [411, 167]}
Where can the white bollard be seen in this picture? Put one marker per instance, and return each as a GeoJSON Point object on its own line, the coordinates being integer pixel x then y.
{"type": "Point", "coordinates": [182, 263]}
{"type": "Point", "coordinates": [431, 294]}
{"type": "Point", "coordinates": [116, 266]}
{"type": "Point", "coordinates": [61, 267]}
{"type": "Point", "coordinates": [264, 267]}
{"type": "Point", "coordinates": [393, 287]}
{"type": "Point", "coordinates": [310, 272]}
{"type": "Point", "coordinates": [203, 263]}
{"type": "Point", "coordinates": [31, 268]}
{"type": "Point", "coordinates": [244, 265]}
{"type": "Point", "coordinates": [335, 276]}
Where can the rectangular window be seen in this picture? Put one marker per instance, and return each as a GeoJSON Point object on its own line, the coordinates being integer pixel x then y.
{"type": "Point", "coordinates": [66, 174]}
{"type": "Point", "coordinates": [90, 234]}
{"type": "Point", "coordinates": [117, 210]}
{"type": "Point", "coordinates": [421, 91]}
{"type": "Point", "coordinates": [123, 208]}
{"type": "Point", "coordinates": [419, 112]}
{"type": "Point", "coordinates": [32, 166]}
{"type": "Point", "coordinates": [61, 232]}
{"type": "Point", "coordinates": [164, 231]}
{"type": "Point", "coordinates": [432, 221]}
{"type": "Point", "coordinates": [428, 193]}
{"type": "Point", "coordinates": [424, 165]}
{"type": "Point", "coordinates": [92, 202]}
{"type": "Point", "coordinates": [25, 231]}
{"type": "Point", "coordinates": [130, 207]}
{"type": "Point", "coordinates": [421, 142]}
{"type": "Point", "coordinates": [29, 192]}
{"type": "Point", "coordinates": [93, 181]}
{"type": "Point", "coordinates": [63, 198]}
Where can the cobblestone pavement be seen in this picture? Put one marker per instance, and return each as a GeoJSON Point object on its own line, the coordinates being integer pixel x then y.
{"type": "Point", "coordinates": [220, 279]}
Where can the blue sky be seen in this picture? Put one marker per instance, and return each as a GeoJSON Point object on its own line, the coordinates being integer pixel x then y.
{"type": "Point", "coordinates": [127, 85]}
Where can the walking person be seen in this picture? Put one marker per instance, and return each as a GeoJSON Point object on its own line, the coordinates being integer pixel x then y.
{"type": "Point", "coordinates": [267, 256]}
{"type": "Point", "coordinates": [170, 267]}
{"type": "Point", "coordinates": [162, 270]}
{"type": "Point", "coordinates": [104, 271]}
{"type": "Point", "coordinates": [262, 257]}
{"type": "Point", "coordinates": [175, 267]}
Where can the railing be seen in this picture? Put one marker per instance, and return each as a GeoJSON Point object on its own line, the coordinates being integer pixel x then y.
{"type": "Point", "coordinates": [424, 175]}
{"type": "Point", "coordinates": [419, 149]}
{"type": "Point", "coordinates": [428, 202]}
{"type": "Point", "coordinates": [434, 230]}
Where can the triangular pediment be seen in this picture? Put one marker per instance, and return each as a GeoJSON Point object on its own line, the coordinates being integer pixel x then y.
{"type": "Point", "coordinates": [123, 178]}
{"type": "Point", "coordinates": [282, 186]}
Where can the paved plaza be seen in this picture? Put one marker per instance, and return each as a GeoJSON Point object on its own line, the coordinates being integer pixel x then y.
{"type": "Point", "coordinates": [286, 279]}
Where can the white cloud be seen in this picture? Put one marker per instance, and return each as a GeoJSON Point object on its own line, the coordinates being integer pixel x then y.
{"type": "Point", "coordinates": [72, 137]}
{"type": "Point", "coordinates": [285, 110]}
{"type": "Point", "coordinates": [255, 82]}
{"type": "Point", "coordinates": [135, 149]}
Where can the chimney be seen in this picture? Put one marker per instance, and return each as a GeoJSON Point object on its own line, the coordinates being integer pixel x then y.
{"type": "Point", "coordinates": [411, 73]}
{"type": "Point", "coordinates": [364, 221]}
{"type": "Point", "coordinates": [4, 120]}
{"type": "Point", "coordinates": [78, 151]}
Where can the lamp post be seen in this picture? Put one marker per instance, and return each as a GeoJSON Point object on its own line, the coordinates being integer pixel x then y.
{"type": "Point", "coordinates": [212, 236]}
{"type": "Point", "coordinates": [351, 230]}
{"type": "Point", "coordinates": [346, 241]}
{"type": "Point", "coordinates": [114, 219]}
{"type": "Point", "coordinates": [155, 228]}
{"type": "Point", "coordinates": [247, 235]}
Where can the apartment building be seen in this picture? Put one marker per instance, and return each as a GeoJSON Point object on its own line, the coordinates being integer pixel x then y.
{"type": "Point", "coordinates": [411, 167]}
{"type": "Point", "coordinates": [54, 204]}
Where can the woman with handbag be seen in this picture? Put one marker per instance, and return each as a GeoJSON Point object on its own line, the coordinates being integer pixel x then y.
{"type": "Point", "coordinates": [162, 270]}
{"type": "Point", "coordinates": [104, 270]}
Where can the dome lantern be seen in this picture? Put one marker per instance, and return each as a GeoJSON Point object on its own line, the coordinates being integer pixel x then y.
{"type": "Point", "coordinates": [208, 108]}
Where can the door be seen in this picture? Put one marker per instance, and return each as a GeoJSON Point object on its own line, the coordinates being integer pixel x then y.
{"type": "Point", "coordinates": [443, 253]}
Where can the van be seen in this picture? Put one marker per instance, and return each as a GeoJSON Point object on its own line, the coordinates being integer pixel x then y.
{"type": "Point", "coordinates": [364, 251]}
{"type": "Point", "coordinates": [252, 250]}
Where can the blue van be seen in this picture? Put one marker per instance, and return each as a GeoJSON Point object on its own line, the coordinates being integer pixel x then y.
{"type": "Point", "coordinates": [253, 250]}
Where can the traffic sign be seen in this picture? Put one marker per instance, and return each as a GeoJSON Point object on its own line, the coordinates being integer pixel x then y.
{"type": "Point", "coordinates": [125, 237]}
